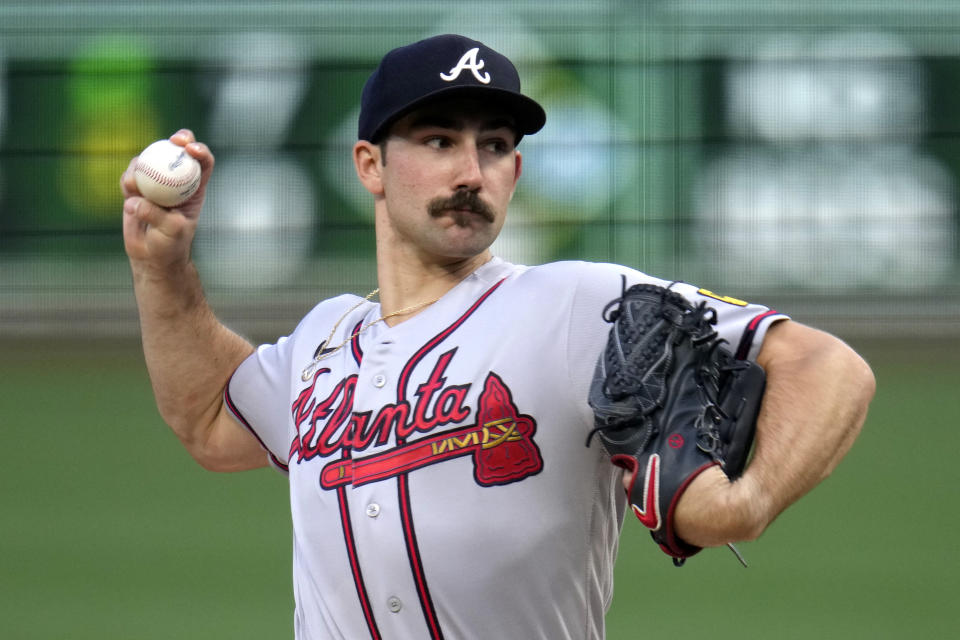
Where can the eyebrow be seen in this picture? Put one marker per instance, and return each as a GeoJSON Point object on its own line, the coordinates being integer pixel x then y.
{"type": "Point", "coordinates": [440, 121]}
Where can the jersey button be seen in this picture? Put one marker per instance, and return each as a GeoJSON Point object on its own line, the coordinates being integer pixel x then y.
{"type": "Point", "coordinates": [373, 509]}
{"type": "Point", "coordinates": [394, 604]}
{"type": "Point", "coordinates": [379, 380]}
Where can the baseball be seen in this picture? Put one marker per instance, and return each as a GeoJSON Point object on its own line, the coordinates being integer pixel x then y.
{"type": "Point", "coordinates": [166, 174]}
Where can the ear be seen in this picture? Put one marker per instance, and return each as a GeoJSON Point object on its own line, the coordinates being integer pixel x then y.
{"type": "Point", "coordinates": [366, 161]}
{"type": "Point", "coordinates": [517, 170]}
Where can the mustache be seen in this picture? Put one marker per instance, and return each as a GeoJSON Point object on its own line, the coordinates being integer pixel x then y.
{"type": "Point", "coordinates": [463, 200]}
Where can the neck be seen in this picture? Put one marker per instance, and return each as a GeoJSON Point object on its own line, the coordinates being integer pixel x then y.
{"type": "Point", "coordinates": [413, 282]}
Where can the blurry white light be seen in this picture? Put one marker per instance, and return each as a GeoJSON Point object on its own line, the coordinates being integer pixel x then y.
{"type": "Point", "coordinates": [336, 161]}
{"type": "Point", "coordinates": [582, 158]}
{"type": "Point", "coordinates": [521, 241]}
{"type": "Point", "coordinates": [259, 92]}
{"type": "Point", "coordinates": [844, 85]}
{"type": "Point", "coordinates": [257, 226]}
{"type": "Point", "coordinates": [828, 218]}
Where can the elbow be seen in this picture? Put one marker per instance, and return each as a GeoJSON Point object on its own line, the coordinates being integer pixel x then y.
{"type": "Point", "coordinates": [868, 381]}
{"type": "Point", "coordinates": [210, 462]}
{"type": "Point", "coordinates": [854, 387]}
{"type": "Point", "coordinates": [201, 448]}
{"type": "Point", "coordinates": [213, 458]}
{"type": "Point", "coordinates": [199, 434]}
{"type": "Point", "coordinates": [218, 452]}
{"type": "Point", "coordinates": [861, 381]}
{"type": "Point", "coordinates": [827, 362]}
{"type": "Point", "coordinates": [200, 452]}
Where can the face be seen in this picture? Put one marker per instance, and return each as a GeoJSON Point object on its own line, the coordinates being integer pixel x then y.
{"type": "Point", "coordinates": [444, 179]}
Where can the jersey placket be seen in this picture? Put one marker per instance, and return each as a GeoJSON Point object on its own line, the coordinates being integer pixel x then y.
{"type": "Point", "coordinates": [375, 511]}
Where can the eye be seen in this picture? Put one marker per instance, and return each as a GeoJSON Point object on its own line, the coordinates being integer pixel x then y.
{"type": "Point", "coordinates": [437, 142]}
{"type": "Point", "coordinates": [498, 146]}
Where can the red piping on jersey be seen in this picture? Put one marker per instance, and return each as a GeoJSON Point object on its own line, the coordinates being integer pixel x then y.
{"type": "Point", "coordinates": [416, 564]}
{"type": "Point", "coordinates": [403, 489]}
{"type": "Point", "coordinates": [746, 341]}
{"type": "Point", "coordinates": [355, 562]}
{"type": "Point", "coordinates": [355, 343]}
{"type": "Point", "coordinates": [239, 416]}
{"type": "Point", "coordinates": [437, 339]}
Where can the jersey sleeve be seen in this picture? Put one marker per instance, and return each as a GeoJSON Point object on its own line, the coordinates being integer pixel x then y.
{"type": "Point", "coordinates": [741, 324]}
{"type": "Point", "coordinates": [258, 397]}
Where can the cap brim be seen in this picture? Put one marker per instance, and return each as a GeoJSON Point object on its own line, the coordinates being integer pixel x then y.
{"type": "Point", "coordinates": [528, 114]}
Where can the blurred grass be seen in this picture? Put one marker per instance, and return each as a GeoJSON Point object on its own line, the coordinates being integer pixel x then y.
{"type": "Point", "coordinates": [109, 531]}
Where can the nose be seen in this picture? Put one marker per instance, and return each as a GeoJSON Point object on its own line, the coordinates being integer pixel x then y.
{"type": "Point", "coordinates": [469, 174]}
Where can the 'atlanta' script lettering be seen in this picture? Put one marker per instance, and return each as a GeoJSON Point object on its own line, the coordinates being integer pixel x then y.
{"type": "Point", "coordinates": [327, 425]}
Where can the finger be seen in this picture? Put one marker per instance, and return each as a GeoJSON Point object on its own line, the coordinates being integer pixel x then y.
{"type": "Point", "coordinates": [128, 181]}
{"type": "Point", "coordinates": [183, 137]}
{"type": "Point", "coordinates": [201, 152]}
{"type": "Point", "coordinates": [198, 150]}
{"type": "Point", "coordinates": [144, 212]}
{"type": "Point", "coordinates": [133, 228]}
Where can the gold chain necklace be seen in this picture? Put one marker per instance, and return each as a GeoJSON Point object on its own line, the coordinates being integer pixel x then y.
{"type": "Point", "coordinates": [323, 352]}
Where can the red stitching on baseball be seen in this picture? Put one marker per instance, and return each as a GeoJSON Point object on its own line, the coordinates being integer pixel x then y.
{"type": "Point", "coordinates": [160, 178]}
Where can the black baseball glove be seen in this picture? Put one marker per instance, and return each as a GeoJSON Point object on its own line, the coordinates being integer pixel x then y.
{"type": "Point", "coordinates": [669, 402]}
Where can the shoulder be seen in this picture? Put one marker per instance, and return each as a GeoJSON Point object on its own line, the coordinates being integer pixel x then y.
{"type": "Point", "coordinates": [335, 305]}
{"type": "Point", "coordinates": [577, 291]}
{"type": "Point", "coordinates": [342, 310]}
{"type": "Point", "coordinates": [567, 274]}
{"type": "Point", "coordinates": [578, 269]}
{"type": "Point", "coordinates": [559, 274]}
{"type": "Point", "coordinates": [581, 282]}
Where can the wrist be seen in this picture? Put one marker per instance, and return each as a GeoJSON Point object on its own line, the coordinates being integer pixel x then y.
{"type": "Point", "coordinates": [153, 272]}
{"type": "Point", "coordinates": [714, 511]}
{"type": "Point", "coordinates": [752, 505]}
{"type": "Point", "coordinates": [171, 291]}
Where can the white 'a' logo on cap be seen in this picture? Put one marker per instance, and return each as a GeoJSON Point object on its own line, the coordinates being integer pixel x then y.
{"type": "Point", "coordinates": [468, 61]}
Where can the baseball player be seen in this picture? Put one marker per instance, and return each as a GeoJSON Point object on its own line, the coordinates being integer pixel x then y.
{"type": "Point", "coordinates": [433, 431]}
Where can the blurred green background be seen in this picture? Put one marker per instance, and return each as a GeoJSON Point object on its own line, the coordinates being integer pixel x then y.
{"type": "Point", "coordinates": [806, 155]}
{"type": "Point", "coordinates": [802, 155]}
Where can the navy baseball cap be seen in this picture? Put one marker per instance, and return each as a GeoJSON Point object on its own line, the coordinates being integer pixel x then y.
{"type": "Point", "coordinates": [437, 67]}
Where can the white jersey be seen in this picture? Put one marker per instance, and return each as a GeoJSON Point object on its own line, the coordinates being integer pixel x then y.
{"type": "Point", "coordinates": [440, 486]}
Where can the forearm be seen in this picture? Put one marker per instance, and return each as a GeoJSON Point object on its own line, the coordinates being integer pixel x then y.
{"type": "Point", "coordinates": [814, 409]}
{"type": "Point", "coordinates": [818, 391]}
{"type": "Point", "coordinates": [189, 354]}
